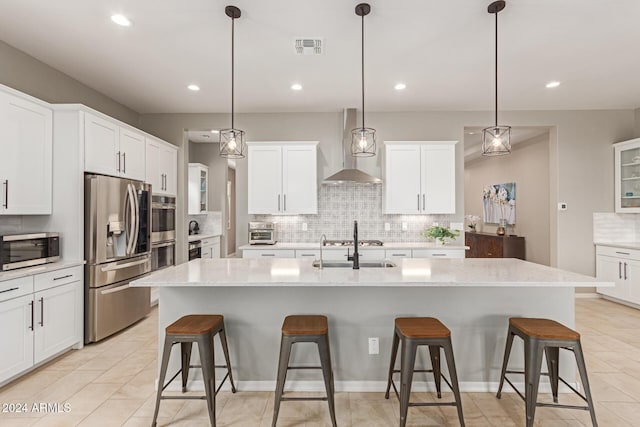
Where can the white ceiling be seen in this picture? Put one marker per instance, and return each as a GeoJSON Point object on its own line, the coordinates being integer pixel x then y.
{"type": "Point", "coordinates": [442, 50]}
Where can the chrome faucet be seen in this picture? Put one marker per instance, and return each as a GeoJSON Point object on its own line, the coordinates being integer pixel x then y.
{"type": "Point", "coordinates": [356, 255]}
{"type": "Point", "coordinates": [323, 239]}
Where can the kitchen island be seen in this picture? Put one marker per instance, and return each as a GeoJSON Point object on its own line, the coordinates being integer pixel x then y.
{"type": "Point", "coordinates": [473, 297]}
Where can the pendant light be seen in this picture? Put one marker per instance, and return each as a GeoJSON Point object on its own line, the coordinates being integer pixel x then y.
{"type": "Point", "coordinates": [363, 139]}
{"type": "Point", "coordinates": [496, 140]}
{"type": "Point", "coordinates": [232, 143]}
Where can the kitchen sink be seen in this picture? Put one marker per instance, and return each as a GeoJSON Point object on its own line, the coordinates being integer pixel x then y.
{"type": "Point", "coordinates": [349, 264]}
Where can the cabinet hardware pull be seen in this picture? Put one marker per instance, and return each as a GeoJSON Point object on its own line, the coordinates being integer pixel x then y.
{"type": "Point", "coordinates": [124, 162]}
{"type": "Point", "coordinates": [623, 253]}
{"type": "Point", "coordinates": [398, 254]}
{"type": "Point", "coordinates": [31, 304]}
{"type": "Point", "coordinates": [278, 203]}
{"type": "Point", "coordinates": [418, 202]}
{"type": "Point", "coordinates": [489, 254]}
{"type": "Point", "coordinates": [267, 254]}
{"type": "Point", "coordinates": [63, 277]}
{"type": "Point", "coordinates": [619, 270]}
{"type": "Point", "coordinates": [424, 207]}
{"type": "Point", "coordinates": [443, 254]}
{"type": "Point", "coordinates": [625, 271]}
{"type": "Point", "coordinates": [284, 202]}
{"type": "Point", "coordinates": [9, 290]}
{"type": "Point", "coordinates": [118, 155]}
{"type": "Point", "coordinates": [307, 254]}
{"type": "Point", "coordinates": [41, 311]}
{"type": "Point", "coordinates": [6, 193]}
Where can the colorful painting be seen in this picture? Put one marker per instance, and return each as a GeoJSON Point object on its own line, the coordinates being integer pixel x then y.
{"type": "Point", "coordinates": [499, 202]}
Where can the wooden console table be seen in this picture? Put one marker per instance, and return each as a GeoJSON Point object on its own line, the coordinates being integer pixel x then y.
{"type": "Point", "coordinates": [488, 245]}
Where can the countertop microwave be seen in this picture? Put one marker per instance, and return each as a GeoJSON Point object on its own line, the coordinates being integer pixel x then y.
{"type": "Point", "coordinates": [27, 250]}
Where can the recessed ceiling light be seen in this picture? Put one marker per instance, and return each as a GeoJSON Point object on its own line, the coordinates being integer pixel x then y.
{"type": "Point", "coordinates": [215, 131]}
{"type": "Point", "coordinates": [193, 87]}
{"type": "Point", "coordinates": [296, 86]}
{"type": "Point", "coordinates": [121, 20]}
{"type": "Point", "coordinates": [551, 85]}
{"type": "Point", "coordinates": [400, 86]}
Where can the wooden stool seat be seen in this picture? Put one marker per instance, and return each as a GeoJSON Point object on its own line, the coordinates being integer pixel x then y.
{"type": "Point", "coordinates": [195, 324]}
{"type": "Point", "coordinates": [305, 325]}
{"type": "Point", "coordinates": [543, 328]}
{"type": "Point", "coordinates": [421, 327]}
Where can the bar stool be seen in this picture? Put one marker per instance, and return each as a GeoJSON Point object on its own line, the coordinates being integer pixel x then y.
{"type": "Point", "coordinates": [413, 332]}
{"type": "Point", "coordinates": [198, 328]}
{"type": "Point", "coordinates": [549, 336]}
{"type": "Point", "coordinates": [305, 328]}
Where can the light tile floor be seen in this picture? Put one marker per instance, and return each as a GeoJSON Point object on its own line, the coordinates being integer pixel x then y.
{"type": "Point", "coordinates": [112, 384]}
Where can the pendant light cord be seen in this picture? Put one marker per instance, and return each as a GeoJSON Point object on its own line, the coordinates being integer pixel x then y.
{"type": "Point", "coordinates": [363, 126]}
{"type": "Point", "coordinates": [496, 64]}
{"type": "Point", "coordinates": [233, 21]}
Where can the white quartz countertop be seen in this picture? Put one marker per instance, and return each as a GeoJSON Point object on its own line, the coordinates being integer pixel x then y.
{"type": "Point", "coordinates": [624, 245]}
{"type": "Point", "coordinates": [45, 268]}
{"type": "Point", "coordinates": [387, 245]}
{"type": "Point", "coordinates": [194, 237]}
{"type": "Point", "coordinates": [470, 272]}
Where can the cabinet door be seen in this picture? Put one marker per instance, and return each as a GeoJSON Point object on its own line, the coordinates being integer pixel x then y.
{"type": "Point", "coordinates": [57, 319]}
{"type": "Point", "coordinates": [438, 253]}
{"type": "Point", "coordinates": [299, 180]}
{"type": "Point", "coordinates": [402, 180]}
{"type": "Point", "coordinates": [101, 146]}
{"type": "Point", "coordinates": [206, 252]}
{"type": "Point", "coordinates": [169, 167]}
{"type": "Point", "coordinates": [627, 176]}
{"type": "Point", "coordinates": [265, 179]}
{"type": "Point", "coordinates": [198, 188]}
{"type": "Point", "coordinates": [268, 253]}
{"type": "Point", "coordinates": [26, 160]}
{"type": "Point", "coordinates": [16, 335]}
{"type": "Point", "coordinates": [153, 174]}
{"type": "Point", "coordinates": [631, 275]}
{"type": "Point", "coordinates": [132, 149]}
{"type": "Point", "coordinates": [610, 269]}
{"type": "Point", "coordinates": [438, 179]}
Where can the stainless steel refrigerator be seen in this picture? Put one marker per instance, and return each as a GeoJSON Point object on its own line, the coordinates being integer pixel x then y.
{"type": "Point", "coordinates": [117, 250]}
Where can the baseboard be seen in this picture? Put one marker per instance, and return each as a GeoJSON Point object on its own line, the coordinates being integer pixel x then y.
{"type": "Point", "coordinates": [619, 301]}
{"type": "Point", "coordinates": [580, 295]}
{"type": "Point", "coordinates": [361, 386]}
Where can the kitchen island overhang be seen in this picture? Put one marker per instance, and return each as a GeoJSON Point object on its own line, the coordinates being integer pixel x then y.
{"type": "Point", "coordinates": [473, 297]}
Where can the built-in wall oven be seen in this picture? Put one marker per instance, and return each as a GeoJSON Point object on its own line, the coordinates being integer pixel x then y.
{"type": "Point", "coordinates": [195, 250]}
{"type": "Point", "coordinates": [163, 218]}
{"type": "Point", "coordinates": [163, 254]}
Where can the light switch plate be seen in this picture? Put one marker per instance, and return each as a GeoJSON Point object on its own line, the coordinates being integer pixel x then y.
{"type": "Point", "coordinates": [374, 345]}
{"type": "Point", "coordinates": [304, 226]}
{"type": "Point", "coordinates": [387, 226]}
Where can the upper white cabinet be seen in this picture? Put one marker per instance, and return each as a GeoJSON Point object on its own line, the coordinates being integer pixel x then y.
{"type": "Point", "coordinates": [111, 149]}
{"type": "Point", "coordinates": [282, 178]}
{"type": "Point", "coordinates": [420, 177]}
{"type": "Point", "coordinates": [198, 188]}
{"type": "Point", "coordinates": [162, 166]}
{"type": "Point", "coordinates": [627, 171]}
{"type": "Point", "coordinates": [26, 142]}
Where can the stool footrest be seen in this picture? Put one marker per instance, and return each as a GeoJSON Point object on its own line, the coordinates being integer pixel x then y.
{"type": "Point", "coordinates": [183, 397]}
{"type": "Point", "coordinates": [304, 367]}
{"type": "Point", "coordinates": [283, 399]}
{"type": "Point", "coordinates": [549, 404]}
{"type": "Point", "coordinates": [396, 371]}
{"type": "Point", "coordinates": [215, 366]}
{"type": "Point", "coordinates": [432, 404]}
{"type": "Point", "coordinates": [555, 405]}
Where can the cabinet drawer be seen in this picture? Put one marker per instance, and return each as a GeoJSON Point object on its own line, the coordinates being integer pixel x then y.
{"type": "Point", "coordinates": [308, 253]}
{"type": "Point", "coordinates": [57, 278]}
{"type": "Point", "coordinates": [397, 253]}
{"type": "Point", "coordinates": [16, 288]}
{"type": "Point", "coordinates": [210, 241]}
{"type": "Point", "coordinates": [618, 252]}
{"type": "Point", "coordinates": [438, 253]}
{"type": "Point", "coordinates": [274, 253]}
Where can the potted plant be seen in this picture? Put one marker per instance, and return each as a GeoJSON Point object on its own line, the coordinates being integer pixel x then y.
{"type": "Point", "coordinates": [473, 222]}
{"type": "Point", "coordinates": [440, 233]}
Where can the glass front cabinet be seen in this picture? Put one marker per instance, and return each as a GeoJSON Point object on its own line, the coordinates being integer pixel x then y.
{"type": "Point", "coordinates": [627, 173]}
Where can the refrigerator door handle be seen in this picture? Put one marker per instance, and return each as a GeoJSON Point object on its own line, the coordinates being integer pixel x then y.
{"type": "Point", "coordinates": [130, 225]}
{"type": "Point", "coordinates": [136, 219]}
{"type": "Point", "coordinates": [125, 265]}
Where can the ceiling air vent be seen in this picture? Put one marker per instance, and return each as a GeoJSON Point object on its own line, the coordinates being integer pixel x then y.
{"type": "Point", "coordinates": [308, 46]}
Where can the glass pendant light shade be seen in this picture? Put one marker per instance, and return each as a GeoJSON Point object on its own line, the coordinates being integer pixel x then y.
{"type": "Point", "coordinates": [363, 142]}
{"type": "Point", "coordinates": [496, 140]}
{"type": "Point", "coordinates": [232, 144]}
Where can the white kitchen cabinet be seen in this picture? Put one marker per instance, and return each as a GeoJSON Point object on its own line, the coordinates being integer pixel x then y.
{"type": "Point", "coordinates": [438, 253]}
{"type": "Point", "coordinates": [111, 149]}
{"type": "Point", "coordinates": [420, 177]}
{"type": "Point", "coordinates": [282, 178]}
{"type": "Point", "coordinates": [397, 253]}
{"type": "Point", "coordinates": [268, 253]}
{"type": "Point", "coordinates": [627, 176]}
{"type": "Point", "coordinates": [210, 247]}
{"type": "Point", "coordinates": [26, 143]}
{"type": "Point", "coordinates": [39, 325]}
{"type": "Point", "coordinates": [309, 253]}
{"type": "Point", "coordinates": [621, 266]}
{"type": "Point", "coordinates": [161, 167]}
{"type": "Point", "coordinates": [198, 188]}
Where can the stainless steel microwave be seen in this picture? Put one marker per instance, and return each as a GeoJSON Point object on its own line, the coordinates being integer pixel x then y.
{"type": "Point", "coordinates": [27, 250]}
{"type": "Point", "coordinates": [262, 233]}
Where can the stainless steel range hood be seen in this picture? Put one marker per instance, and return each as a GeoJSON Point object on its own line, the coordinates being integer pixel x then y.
{"type": "Point", "coordinates": [350, 172]}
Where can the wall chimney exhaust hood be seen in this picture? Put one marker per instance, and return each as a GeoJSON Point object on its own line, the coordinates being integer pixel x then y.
{"type": "Point", "coordinates": [350, 172]}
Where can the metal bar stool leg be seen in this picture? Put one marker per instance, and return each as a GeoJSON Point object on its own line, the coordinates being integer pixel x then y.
{"type": "Point", "coordinates": [327, 373]}
{"type": "Point", "coordinates": [552, 354]}
{"type": "Point", "coordinates": [532, 365]}
{"type": "Point", "coordinates": [283, 363]}
{"type": "Point", "coordinates": [205, 346]}
{"type": "Point", "coordinates": [451, 364]}
{"type": "Point", "coordinates": [408, 359]}
{"type": "Point", "coordinates": [185, 353]}
{"type": "Point", "coordinates": [505, 362]}
{"type": "Point", "coordinates": [166, 352]}
{"type": "Point", "coordinates": [577, 350]}
{"type": "Point", "coordinates": [434, 353]}
{"type": "Point", "coordinates": [392, 363]}
{"type": "Point", "coordinates": [225, 350]}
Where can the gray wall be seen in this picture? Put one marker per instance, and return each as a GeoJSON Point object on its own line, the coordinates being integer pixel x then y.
{"type": "Point", "coordinates": [579, 146]}
{"type": "Point", "coordinates": [29, 75]}
{"type": "Point", "coordinates": [637, 119]}
{"type": "Point", "coordinates": [528, 167]}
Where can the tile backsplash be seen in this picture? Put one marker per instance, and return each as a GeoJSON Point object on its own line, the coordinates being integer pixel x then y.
{"type": "Point", "coordinates": [208, 222]}
{"type": "Point", "coordinates": [11, 224]}
{"type": "Point", "coordinates": [616, 228]}
{"type": "Point", "coordinates": [340, 205]}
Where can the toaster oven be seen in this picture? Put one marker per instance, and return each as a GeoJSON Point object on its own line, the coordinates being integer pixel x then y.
{"type": "Point", "coordinates": [262, 233]}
